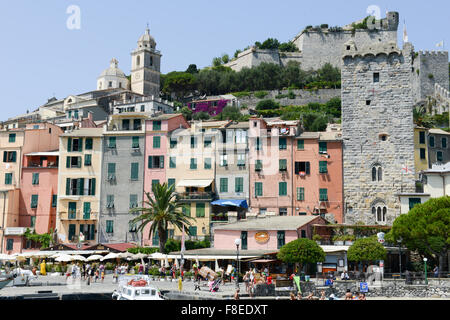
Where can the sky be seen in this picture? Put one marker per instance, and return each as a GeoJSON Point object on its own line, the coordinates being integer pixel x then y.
{"type": "Point", "coordinates": [43, 56]}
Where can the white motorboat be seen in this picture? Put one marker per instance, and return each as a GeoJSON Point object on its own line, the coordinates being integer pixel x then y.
{"type": "Point", "coordinates": [136, 289]}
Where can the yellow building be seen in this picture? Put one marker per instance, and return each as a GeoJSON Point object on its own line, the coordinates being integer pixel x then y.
{"type": "Point", "coordinates": [191, 168]}
{"type": "Point", "coordinates": [420, 150]}
{"type": "Point", "coordinates": [79, 180]}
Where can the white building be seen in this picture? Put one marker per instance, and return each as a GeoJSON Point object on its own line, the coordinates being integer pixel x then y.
{"type": "Point", "coordinates": [112, 77]}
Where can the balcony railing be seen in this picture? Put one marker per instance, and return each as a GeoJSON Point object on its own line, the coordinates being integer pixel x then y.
{"type": "Point", "coordinates": [78, 215]}
{"type": "Point", "coordinates": [205, 196]}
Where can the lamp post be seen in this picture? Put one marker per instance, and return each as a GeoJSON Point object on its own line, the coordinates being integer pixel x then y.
{"type": "Point", "coordinates": [425, 262]}
{"type": "Point", "coordinates": [399, 241]}
{"type": "Point", "coordinates": [237, 242]}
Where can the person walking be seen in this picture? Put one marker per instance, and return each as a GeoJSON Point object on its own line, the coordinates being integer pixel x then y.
{"type": "Point", "coordinates": [83, 272]}
{"type": "Point", "coordinates": [436, 272]}
{"type": "Point", "coordinates": [236, 294]}
{"type": "Point", "coordinates": [246, 279]}
{"type": "Point", "coordinates": [88, 275]}
{"type": "Point", "coordinates": [141, 268]}
{"type": "Point", "coordinates": [102, 271]}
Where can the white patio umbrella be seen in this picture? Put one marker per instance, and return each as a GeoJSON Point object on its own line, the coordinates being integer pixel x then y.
{"type": "Point", "coordinates": [157, 256]}
{"type": "Point", "coordinates": [7, 257]}
{"type": "Point", "coordinates": [64, 258]}
{"type": "Point", "coordinates": [110, 256]}
{"type": "Point", "coordinates": [94, 257]}
{"type": "Point", "coordinates": [166, 263]}
{"type": "Point", "coordinates": [77, 257]}
{"type": "Point", "coordinates": [125, 255]}
{"type": "Point", "coordinates": [176, 263]}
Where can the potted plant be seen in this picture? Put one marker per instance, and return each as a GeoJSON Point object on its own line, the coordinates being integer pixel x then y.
{"type": "Point", "coordinates": [338, 240]}
{"type": "Point", "coordinates": [349, 239]}
{"type": "Point", "coordinates": [317, 238]}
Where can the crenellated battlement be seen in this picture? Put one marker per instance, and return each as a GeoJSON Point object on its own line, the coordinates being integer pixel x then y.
{"type": "Point", "coordinates": [433, 53]}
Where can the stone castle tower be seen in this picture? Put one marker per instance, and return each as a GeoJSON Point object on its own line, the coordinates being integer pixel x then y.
{"type": "Point", "coordinates": [145, 66]}
{"type": "Point", "coordinates": [377, 127]}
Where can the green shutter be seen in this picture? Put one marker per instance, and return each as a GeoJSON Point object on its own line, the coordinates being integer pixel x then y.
{"type": "Point", "coordinates": [111, 168]}
{"type": "Point", "coordinates": [72, 210]}
{"type": "Point", "coordinates": [323, 167]}
{"type": "Point", "coordinates": [112, 142]}
{"type": "Point", "coordinates": [283, 164]}
{"type": "Point", "coordinates": [193, 163]}
{"type": "Point", "coordinates": [68, 187]}
{"type": "Point", "coordinates": [14, 156]}
{"type": "Point", "coordinates": [258, 165]}
{"type": "Point", "coordinates": [12, 137]}
{"type": "Point", "coordinates": [200, 210]}
{"type": "Point", "coordinates": [186, 209]}
{"type": "Point", "coordinates": [239, 184]}
{"type": "Point", "coordinates": [133, 201]}
{"type": "Point", "coordinates": [223, 184]}
{"type": "Point", "coordinates": [67, 162]}
{"type": "Point", "coordinates": [78, 162]}
{"type": "Point", "coordinates": [8, 178]}
{"type": "Point", "coordinates": [258, 189]}
{"type": "Point", "coordinates": [439, 156]}
{"type": "Point", "coordinates": [323, 194]}
{"type": "Point", "coordinates": [156, 142]}
{"type": "Point", "coordinates": [282, 188]}
{"type": "Point", "coordinates": [322, 147]}
{"type": "Point", "coordinates": [301, 194]}
{"type": "Point", "coordinates": [54, 200]}
{"type": "Point", "coordinates": [109, 226]}
{"type": "Point", "coordinates": [93, 187]}
{"type": "Point", "coordinates": [34, 201]}
{"type": "Point", "coordinates": [80, 144]}
{"type": "Point", "coordinates": [135, 171]}
{"type": "Point", "coordinates": [135, 142]}
{"type": "Point", "coordinates": [207, 163]}
{"type": "Point", "coordinates": [87, 210]}
{"type": "Point", "coordinates": [5, 156]}
{"type": "Point", "coordinates": [172, 162]}
{"type": "Point", "coordinates": [35, 179]}
{"type": "Point", "coordinates": [300, 144]}
{"type": "Point", "coordinates": [150, 162]}
{"type": "Point", "coordinates": [193, 231]}
{"type": "Point", "coordinates": [71, 231]}
{"type": "Point", "coordinates": [161, 162]}
{"type": "Point", "coordinates": [156, 125]}
{"type": "Point", "coordinates": [80, 186]}
{"type": "Point", "coordinates": [283, 144]}
{"type": "Point", "coordinates": [87, 159]}
{"type": "Point", "coordinates": [88, 144]}
{"type": "Point", "coordinates": [69, 144]}
{"type": "Point", "coordinates": [171, 182]}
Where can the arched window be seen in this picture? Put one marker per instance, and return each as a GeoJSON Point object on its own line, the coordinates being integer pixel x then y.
{"type": "Point", "coordinates": [378, 214]}
{"type": "Point", "coordinates": [384, 214]}
{"type": "Point", "coordinates": [138, 61]}
{"type": "Point", "coordinates": [377, 172]}
{"type": "Point", "coordinates": [379, 211]}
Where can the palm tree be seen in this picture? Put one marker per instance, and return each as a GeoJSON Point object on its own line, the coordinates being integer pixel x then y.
{"type": "Point", "coordinates": [161, 210]}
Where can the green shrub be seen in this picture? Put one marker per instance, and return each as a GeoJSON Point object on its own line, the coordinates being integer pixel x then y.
{"type": "Point", "coordinates": [281, 96]}
{"type": "Point", "coordinates": [291, 94]}
{"type": "Point", "coordinates": [188, 274]}
{"type": "Point", "coordinates": [154, 272]}
{"type": "Point", "coordinates": [268, 104]}
{"type": "Point", "coordinates": [261, 94]}
{"type": "Point", "coordinates": [109, 266]}
{"type": "Point", "coordinates": [430, 76]}
{"type": "Point", "coordinates": [241, 94]}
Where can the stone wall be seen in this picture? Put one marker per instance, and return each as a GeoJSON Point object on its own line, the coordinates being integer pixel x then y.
{"type": "Point", "coordinates": [302, 97]}
{"type": "Point", "coordinates": [377, 125]}
{"type": "Point", "coordinates": [432, 69]}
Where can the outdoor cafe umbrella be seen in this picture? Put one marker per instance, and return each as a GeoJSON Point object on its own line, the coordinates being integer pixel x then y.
{"type": "Point", "coordinates": [94, 257]}
{"type": "Point", "coordinates": [110, 256]}
{"type": "Point", "coordinates": [64, 258]}
{"type": "Point", "coordinates": [216, 267]}
{"type": "Point", "coordinates": [125, 255]}
{"type": "Point", "coordinates": [7, 257]}
{"type": "Point", "coordinates": [77, 257]}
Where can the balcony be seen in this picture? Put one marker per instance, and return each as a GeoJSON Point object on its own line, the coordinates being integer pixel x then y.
{"type": "Point", "coordinates": [78, 215]}
{"type": "Point", "coordinates": [196, 196]}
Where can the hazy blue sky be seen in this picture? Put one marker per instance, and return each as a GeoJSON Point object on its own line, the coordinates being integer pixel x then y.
{"type": "Point", "coordinates": [40, 57]}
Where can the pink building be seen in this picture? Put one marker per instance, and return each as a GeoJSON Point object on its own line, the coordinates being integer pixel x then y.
{"type": "Point", "coordinates": [157, 142]}
{"type": "Point", "coordinates": [38, 192]}
{"type": "Point", "coordinates": [271, 166]}
{"type": "Point", "coordinates": [263, 234]}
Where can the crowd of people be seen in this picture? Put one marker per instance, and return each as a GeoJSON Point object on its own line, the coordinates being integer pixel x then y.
{"type": "Point", "coordinates": [348, 296]}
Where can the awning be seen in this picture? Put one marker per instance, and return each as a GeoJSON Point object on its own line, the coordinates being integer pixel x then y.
{"type": "Point", "coordinates": [232, 203]}
{"type": "Point", "coordinates": [195, 183]}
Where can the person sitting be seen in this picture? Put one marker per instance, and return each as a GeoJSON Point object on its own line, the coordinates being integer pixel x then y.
{"type": "Point", "coordinates": [344, 276]}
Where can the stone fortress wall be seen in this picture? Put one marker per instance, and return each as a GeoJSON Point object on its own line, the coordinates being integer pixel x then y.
{"type": "Point", "coordinates": [377, 130]}
{"type": "Point", "coordinates": [430, 68]}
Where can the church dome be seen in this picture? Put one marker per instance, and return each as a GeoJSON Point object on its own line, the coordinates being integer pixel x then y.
{"type": "Point", "coordinates": [113, 70]}
{"type": "Point", "coordinates": [146, 40]}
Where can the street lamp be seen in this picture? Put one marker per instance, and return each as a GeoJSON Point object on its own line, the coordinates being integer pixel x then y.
{"type": "Point", "coordinates": [237, 242]}
{"type": "Point", "coordinates": [399, 241]}
{"type": "Point", "coordinates": [425, 261]}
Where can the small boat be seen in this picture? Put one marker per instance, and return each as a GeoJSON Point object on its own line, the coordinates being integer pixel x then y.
{"type": "Point", "coordinates": [136, 289]}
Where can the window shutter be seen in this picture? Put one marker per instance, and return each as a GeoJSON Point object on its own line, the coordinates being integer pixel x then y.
{"type": "Point", "coordinates": [14, 156]}
{"type": "Point", "coordinates": [134, 171]}
{"type": "Point", "coordinates": [69, 144]}
{"type": "Point", "coordinates": [67, 162]}
{"type": "Point", "coordinates": [150, 162]}
{"type": "Point", "coordinates": [161, 162]}
{"type": "Point", "coordinates": [308, 168]}
{"type": "Point", "coordinates": [78, 162]}
{"type": "Point", "coordinates": [93, 187]}
{"type": "Point", "coordinates": [80, 186]}
{"type": "Point", "coordinates": [5, 156]}
{"type": "Point", "coordinates": [68, 187]}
